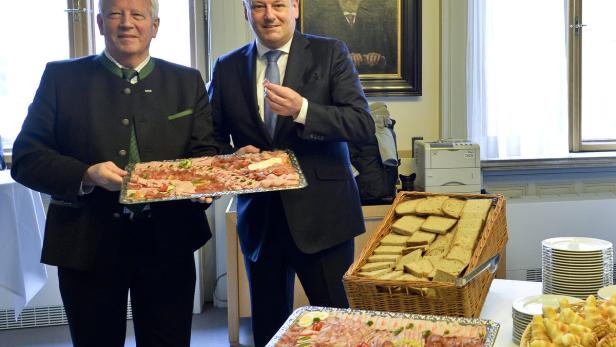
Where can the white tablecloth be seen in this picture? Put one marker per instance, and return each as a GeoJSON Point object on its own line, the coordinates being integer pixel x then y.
{"type": "Point", "coordinates": [22, 223]}
{"type": "Point", "coordinates": [498, 303]}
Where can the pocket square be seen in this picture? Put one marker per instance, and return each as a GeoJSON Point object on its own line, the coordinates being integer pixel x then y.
{"type": "Point", "coordinates": [184, 113]}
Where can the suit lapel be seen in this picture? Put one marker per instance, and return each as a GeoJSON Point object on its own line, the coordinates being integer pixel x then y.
{"type": "Point", "coordinates": [299, 58]}
{"type": "Point", "coordinates": [251, 92]}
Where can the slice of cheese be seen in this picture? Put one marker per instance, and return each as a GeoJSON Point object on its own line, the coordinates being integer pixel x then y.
{"type": "Point", "coordinates": [265, 163]}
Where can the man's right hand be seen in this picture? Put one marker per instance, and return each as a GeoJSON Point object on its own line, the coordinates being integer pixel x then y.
{"type": "Point", "coordinates": [106, 175]}
{"type": "Point", "coordinates": [248, 149]}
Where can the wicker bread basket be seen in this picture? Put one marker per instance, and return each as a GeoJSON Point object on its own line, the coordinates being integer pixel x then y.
{"type": "Point", "coordinates": [430, 297]}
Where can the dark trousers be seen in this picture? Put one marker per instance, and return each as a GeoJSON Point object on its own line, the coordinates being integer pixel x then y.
{"type": "Point", "coordinates": [161, 292]}
{"type": "Point", "coordinates": [272, 277]}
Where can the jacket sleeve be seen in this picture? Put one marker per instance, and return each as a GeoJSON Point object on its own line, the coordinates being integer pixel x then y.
{"type": "Point", "coordinates": [221, 129]}
{"type": "Point", "coordinates": [202, 141]}
{"type": "Point", "coordinates": [37, 160]}
{"type": "Point", "coordinates": [347, 116]}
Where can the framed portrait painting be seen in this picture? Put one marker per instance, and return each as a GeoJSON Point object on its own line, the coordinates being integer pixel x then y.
{"type": "Point", "coordinates": [383, 37]}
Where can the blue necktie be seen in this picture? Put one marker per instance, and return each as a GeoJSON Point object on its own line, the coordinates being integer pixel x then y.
{"type": "Point", "coordinates": [273, 75]}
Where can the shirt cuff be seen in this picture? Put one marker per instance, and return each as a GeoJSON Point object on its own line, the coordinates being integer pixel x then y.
{"type": "Point", "coordinates": [301, 116]}
{"type": "Point", "coordinates": [84, 189]}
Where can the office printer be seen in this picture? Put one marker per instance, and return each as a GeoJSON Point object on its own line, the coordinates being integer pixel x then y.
{"type": "Point", "coordinates": [447, 166]}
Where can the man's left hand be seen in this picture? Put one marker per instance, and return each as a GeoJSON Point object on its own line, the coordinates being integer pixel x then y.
{"type": "Point", "coordinates": [282, 100]}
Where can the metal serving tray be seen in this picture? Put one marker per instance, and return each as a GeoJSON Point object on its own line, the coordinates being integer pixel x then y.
{"type": "Point", "coordinates": [126, 200]}
{"type": "Point", "coordinates": [491, 326]}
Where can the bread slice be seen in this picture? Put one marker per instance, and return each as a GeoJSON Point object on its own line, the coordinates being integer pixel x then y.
{"type": "Point", "coordinates": [407, 225]}
{"type": "Point", "coordinates": [470, 223]}
{"type": "Point", "coordinates": [441, 244]}
{"type": "Point", "coordinates": [374, 273]}
{"type": "Point", "coordinates": [460, 254]}
{"type": "Point", "coordinates": [409, 258]}
{"type": "Point", "coordinates": [376, 266]}
{"type": "Point", "coordinates": [411, 249]}
{"type": "Point", "coordinates": [431, 205]}
{"type": "Point", "coordinates": [395, 250]}
{"type": "Point", "coordinates": [420, 268]}
{"type": "Point", "coordinates": [453, 207]}
{"type": "Point", "coordinates": [466, 241]}
{"type": "Point", "coordinates": [394, 240]}
{"type": "Point", "coordinates": [448, 270]}
{"type": "Point", "coordinates": [421, 238]}
{"type": "Point", "coordinates": [390, 275]}
{"type": "Point", "coordinates": [473, 215]}
{"type": "Point", "coordinates": [409, 277]}
{"type": "Point", "coordinates": [477, 205]}
{"type": "Point", "coordinates": [437, 224]}
{"type": "Point", "coordinates": [389, 258]}
{"type": "Point", "coordinates": [407, 207]}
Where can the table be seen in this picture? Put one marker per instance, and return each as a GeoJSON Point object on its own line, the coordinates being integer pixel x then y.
{"type": "Point", "coordinates": [497, 306]}
{"type": "Point", "coordinates": [22, 222]}
{"type": "Point", "coordinates": [238, 299]}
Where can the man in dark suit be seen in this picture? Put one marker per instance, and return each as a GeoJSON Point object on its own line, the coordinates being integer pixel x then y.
{"type": "Point", "coordinates": [318, 108]}
{"type": "Point", "coordinates": [88, 120]}
{"type": "Point", "coordinates": [368, 27]}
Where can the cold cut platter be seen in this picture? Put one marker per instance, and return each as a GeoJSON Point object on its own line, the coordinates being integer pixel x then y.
{"type": "Point", "coordinates": [211, 176]}
{"type": "Point", "coordinates": [320, 326]}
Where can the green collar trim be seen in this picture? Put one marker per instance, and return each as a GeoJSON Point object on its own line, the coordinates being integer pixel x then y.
{"type": "Point", "coordinates": [114, 69]}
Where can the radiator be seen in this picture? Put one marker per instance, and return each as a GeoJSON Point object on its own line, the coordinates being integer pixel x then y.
{"type": "Point", "coordinates": [531, 220]}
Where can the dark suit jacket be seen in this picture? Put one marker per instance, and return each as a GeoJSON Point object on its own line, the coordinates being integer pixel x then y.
{"type": "Point", "coordinates": [81, 115]}
{"type": "Point", "coordinates": [328, 211]}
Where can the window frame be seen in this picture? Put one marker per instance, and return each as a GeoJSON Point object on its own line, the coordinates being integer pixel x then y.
{"type": "Point", "coordinates": [454, 120]}
{"type": "Point", "coordinates": [575, 37]}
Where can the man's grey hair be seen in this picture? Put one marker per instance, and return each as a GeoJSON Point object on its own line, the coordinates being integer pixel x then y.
{"type": "Point", "coordinates": [153, 7]}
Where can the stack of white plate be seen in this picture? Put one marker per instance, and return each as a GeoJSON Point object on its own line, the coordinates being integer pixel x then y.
{"type": "Point", "coordinates": [576, 266]}
{"type": "Point", "coordinates": [523, 310]}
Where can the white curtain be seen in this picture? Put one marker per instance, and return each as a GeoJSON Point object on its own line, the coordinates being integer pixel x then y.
{"type": "Point", "coordinates": [517, 78]}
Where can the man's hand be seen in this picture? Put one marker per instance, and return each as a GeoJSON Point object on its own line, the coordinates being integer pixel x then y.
{"type": "Point", "coordinates": [204, 200]}
{"type": "Point", "coordinates": [106, 175]}
{"type": "Point", "coordinates": [373, 58]}
{"type": "Point", "coordinates": [282, 100]}
{"type": "Point", "coordinates": [243, 150]}
{"type": "Point", "coordinates": [357, 59]}
{"type": "Point", "coordinates": [248, 149]}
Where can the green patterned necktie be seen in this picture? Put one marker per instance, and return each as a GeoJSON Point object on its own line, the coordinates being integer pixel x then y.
{"type": "Point", "coordinates": [133, 150]}
{"type": "Point", "coordinates": [129, 74]}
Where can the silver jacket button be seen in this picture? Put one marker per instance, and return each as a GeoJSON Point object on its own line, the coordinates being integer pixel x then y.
{"type": "Point", "coordinates": [126, 91]}
{"type": "Point", "coordinates": [125, 121]}
{"type": "Point", "coordinates": [122, 152]}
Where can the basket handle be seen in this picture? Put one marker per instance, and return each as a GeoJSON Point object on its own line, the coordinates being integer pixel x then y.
{"type": "Point", "coordinates": [491, 264]}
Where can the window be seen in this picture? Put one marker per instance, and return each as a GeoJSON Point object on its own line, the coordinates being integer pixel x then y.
{"type": "Point", "coordinates": [592, 75]}
{"type": "Point", "coordinates": [21, 66]}
{"type": "Point", "coordinates": [529, 93]}
{"type": "Point", "coordinates": [23, 57]}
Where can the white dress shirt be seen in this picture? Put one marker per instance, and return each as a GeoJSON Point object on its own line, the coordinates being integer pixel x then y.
{"type": "Point", "coordinates": [282, 66]}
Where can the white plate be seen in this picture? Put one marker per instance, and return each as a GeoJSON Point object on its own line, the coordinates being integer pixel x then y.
{"type": "Point", "coordinates": [606, 293]}
{"type": "Point", "coordinates": [533, 305]}
{"type": "Point", "coordinates": [576, 244]}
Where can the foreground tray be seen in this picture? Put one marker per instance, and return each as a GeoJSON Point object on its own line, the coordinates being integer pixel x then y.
{"type": "Point", "coordinates": [491, 327]}
{"type": "Point", "coordinates": [131, 195]}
